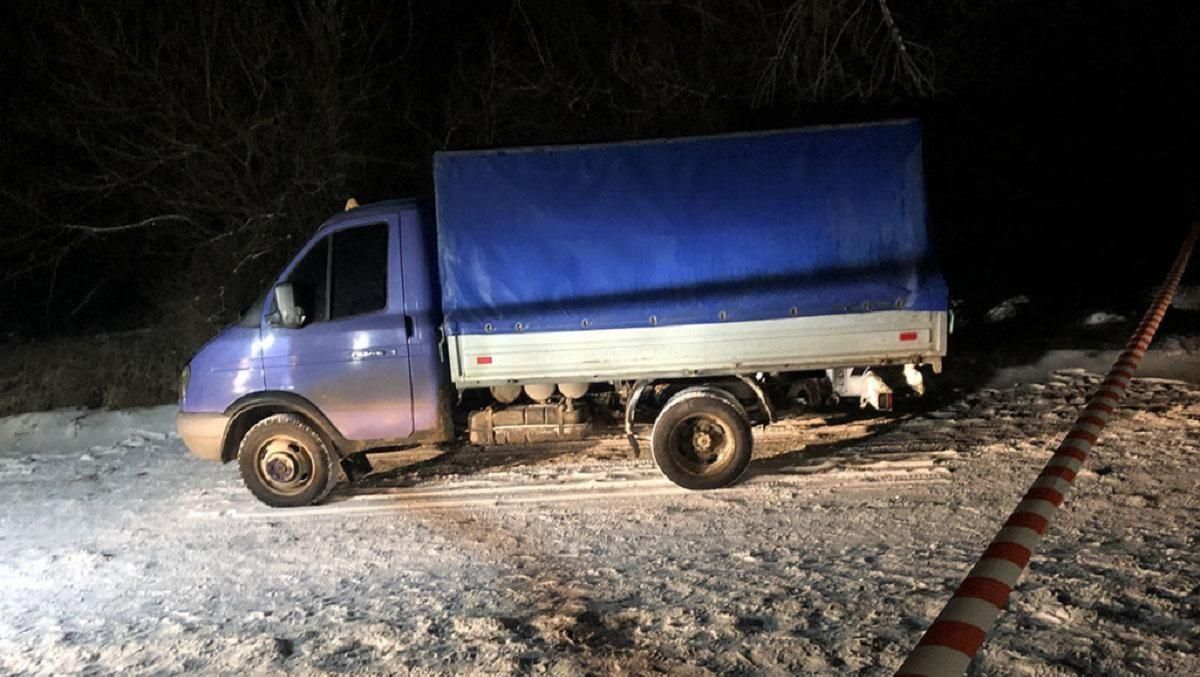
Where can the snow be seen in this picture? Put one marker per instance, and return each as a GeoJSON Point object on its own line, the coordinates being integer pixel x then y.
{"type": "Point", "coordinates": [832, 557]}
{"type": "Point", "coordinates": [1170, 359]}
{"type": "Point", "coordinates": [1006, 310]}
{"type": "Point", "coordinates": [81, 429]}
{"type": "Point", "coordinates": [1187, 298]}
{"type": "Point", "coordinates": [1102, 317]}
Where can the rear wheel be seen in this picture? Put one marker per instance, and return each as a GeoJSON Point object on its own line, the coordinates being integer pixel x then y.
{"type": "Point", "coordinates": [702, 439]}
{"type": "Point", "coordinates": [285, 462]}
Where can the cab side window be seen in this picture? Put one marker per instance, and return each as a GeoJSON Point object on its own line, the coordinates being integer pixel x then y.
{"type": "Point", "coordinates": [359, 271]}
{"type": "Point", "coordinates": [309, 279]}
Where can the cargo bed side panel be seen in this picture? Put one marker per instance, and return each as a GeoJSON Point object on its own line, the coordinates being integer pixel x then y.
{"type": "Point", "coordinates": [690, 350]}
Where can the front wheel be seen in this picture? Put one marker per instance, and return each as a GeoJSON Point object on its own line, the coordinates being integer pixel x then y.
{"type": "Point", "coordinates": [285, 462]}
{"type": "Point", "coordinates": [702, 439]}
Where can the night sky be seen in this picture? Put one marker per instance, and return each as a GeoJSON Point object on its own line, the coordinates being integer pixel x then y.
{"type": "Point", "coordinates": [1061, 137]}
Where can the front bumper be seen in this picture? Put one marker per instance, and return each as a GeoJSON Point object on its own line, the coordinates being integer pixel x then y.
{"type": "Point", "coordinates": [203, 433]}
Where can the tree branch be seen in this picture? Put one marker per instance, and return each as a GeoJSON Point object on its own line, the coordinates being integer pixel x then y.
{"type": "Point", "coordinates": [144, 223]}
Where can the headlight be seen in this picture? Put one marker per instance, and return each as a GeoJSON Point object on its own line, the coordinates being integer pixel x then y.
{"type": "Point", "coordinates": [184, 377]}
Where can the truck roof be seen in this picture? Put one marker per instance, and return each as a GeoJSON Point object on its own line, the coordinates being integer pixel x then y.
{"type": "Point", "coordinates": [665, 140]}
{"type": "Point", "coordinates": [380, 207]}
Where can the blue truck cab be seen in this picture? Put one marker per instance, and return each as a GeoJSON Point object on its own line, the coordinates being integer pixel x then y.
{"type": "Point", "coordinates": [352, 364]}
{"type": "Point", "coordinates": [689, 288]}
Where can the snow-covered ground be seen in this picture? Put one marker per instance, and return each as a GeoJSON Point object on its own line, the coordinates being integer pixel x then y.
{"type": "Point", "coordinates": [121, 553]}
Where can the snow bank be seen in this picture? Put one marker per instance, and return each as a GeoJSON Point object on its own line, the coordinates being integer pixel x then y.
{"type": "Point", "coordinates": [1187, 298]}
{"type": "Point", "coordinates": [1006, 310]}
{"type": "Point", "coordinates": [1161, 362]}
{"type": "Point", "coordinates": [70, 430]}
{"type": "Point", "coordinates": [1099, 318]}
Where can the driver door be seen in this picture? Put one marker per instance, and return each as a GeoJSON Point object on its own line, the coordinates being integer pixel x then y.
{"type": "Point", "coordinates": [350, 356]}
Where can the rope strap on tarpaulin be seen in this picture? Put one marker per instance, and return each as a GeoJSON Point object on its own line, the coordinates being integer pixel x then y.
{"type": "Point", "coordinates": [960, 629]}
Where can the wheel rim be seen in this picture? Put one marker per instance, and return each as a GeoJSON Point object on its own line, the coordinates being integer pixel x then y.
{"type": "Point", "coordinates": [284, 465]}
{"type": "Point", "coordinates": [702, 444]}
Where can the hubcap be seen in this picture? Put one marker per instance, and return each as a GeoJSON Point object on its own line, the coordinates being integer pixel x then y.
{"type": "Point", "coordinates": [281, 467]}
{"type": "Point", "coordinates": [702, 444]}
{"type": "Point", "coordinates": [285, 465]}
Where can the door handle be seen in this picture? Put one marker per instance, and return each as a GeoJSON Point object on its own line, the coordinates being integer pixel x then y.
{"type": "Point", "coordinates": [410, 326]}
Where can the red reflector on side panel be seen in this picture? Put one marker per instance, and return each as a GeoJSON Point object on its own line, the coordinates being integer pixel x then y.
{"type": "Point", "coordinates": [908, 336]}
{"type": "Point", "coordinates": [483, 359]}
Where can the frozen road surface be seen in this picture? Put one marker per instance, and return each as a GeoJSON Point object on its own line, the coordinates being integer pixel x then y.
{"type": "Point", "coordinates": [121, 553]}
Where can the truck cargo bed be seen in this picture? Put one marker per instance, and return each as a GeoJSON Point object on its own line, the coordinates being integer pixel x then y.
{"type": "Point", "coordinates": [741, 227]}
{"type": "Point", "coordinates": [790, 344]}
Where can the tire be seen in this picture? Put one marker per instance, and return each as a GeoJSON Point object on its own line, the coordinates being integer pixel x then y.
{"type": "Point", "coordinates": [286, 463]}
{"type": "Point", "coordinates": [701, 439]}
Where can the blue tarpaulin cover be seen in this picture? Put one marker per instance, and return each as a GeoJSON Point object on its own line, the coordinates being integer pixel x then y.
{"type": "Point", "coordinates": [802, 222]}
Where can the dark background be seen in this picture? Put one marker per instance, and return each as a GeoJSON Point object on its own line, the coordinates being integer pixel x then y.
{"type": "Point", "coordinates": [159, 161]}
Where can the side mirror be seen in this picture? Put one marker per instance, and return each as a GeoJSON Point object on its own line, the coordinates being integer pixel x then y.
{"type": "Point", "coordinates": [287, 313]}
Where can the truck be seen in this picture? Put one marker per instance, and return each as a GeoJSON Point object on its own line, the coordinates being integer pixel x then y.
{"type": "Point", "coordinates": [685, 290]}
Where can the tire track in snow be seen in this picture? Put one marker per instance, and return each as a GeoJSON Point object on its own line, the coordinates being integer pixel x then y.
{"type": "Point", "coordinates": [857, 471]}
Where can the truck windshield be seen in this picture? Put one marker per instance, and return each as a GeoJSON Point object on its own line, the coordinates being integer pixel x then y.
{"type": "Point", "coordinates": [252, 315]}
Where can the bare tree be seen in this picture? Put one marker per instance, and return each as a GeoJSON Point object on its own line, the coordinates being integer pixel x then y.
{"type": "Point", "coordinates": [541, 71]}
{"type": "Point", "coordinates": [217, 130]}
{"type": "Point", "coordinates": [210, 137]}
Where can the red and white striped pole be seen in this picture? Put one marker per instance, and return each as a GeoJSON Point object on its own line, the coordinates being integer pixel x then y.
{"type": "Point", "coordinates": [955, 636]}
